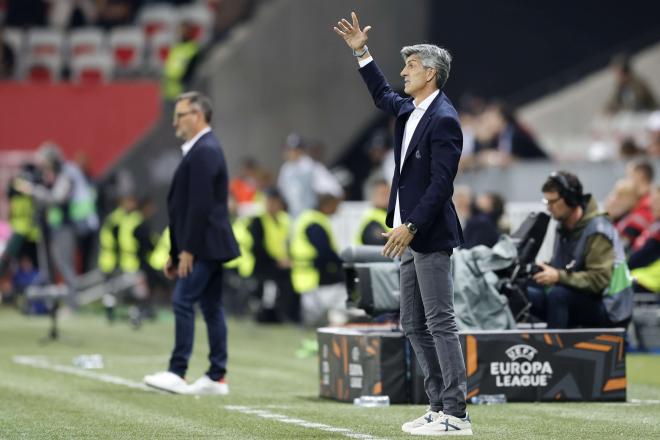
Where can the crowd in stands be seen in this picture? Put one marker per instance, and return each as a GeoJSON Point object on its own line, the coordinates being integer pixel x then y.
{"type": "Point", "coordinates": [93, 41]}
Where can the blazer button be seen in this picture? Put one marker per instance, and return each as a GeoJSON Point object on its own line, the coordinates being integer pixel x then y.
{"type": "Point", "coordinates": [402, 186]}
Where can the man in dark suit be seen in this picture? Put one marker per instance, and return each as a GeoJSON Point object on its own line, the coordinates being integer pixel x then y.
{"type": "Point", "coordinates": [425, 225]}
{"type": "Point", "coordinates": [201, 240]}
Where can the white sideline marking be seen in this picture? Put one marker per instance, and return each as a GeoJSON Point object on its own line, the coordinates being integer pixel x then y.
{"type": "Point", "coordinates": [41, 362]}
{"type": "Point", "coordinates": [286, 419]}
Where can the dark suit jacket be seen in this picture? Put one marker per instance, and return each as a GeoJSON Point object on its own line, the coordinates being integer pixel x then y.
{"type": "Point", "coordinates": [426, 182]}
{"type": "Point", "coordinates": [197, 204]}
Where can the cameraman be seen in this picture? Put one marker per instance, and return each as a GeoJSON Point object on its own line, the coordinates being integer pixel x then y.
{"type": "Point", "coordinates": [573, 290]}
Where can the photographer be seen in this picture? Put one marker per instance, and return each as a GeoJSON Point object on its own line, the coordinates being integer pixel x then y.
{"type": "Point", "coordinates": [576, 289]}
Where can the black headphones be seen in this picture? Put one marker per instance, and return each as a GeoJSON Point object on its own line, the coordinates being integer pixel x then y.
{"type": "Point", "coordinates": [571, 194]}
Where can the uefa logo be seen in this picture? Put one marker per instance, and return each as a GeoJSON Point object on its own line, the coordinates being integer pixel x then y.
{"type": "Point", "coordinates": [521, 351]}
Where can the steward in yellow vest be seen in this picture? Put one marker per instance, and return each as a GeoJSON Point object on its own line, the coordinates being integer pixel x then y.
{"type": "Point", "coordinates": [24, 224]}
{"type": "Point", "coordinates": [373, 224]}
{"type": "Point", "coordinates": [313, 250]}
{"type": "Point", "coordinates": [270, 232]}
{"type": "Point", "coordinates": [180, 63]}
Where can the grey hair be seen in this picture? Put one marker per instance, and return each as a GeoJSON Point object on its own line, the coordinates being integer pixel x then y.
{"type": "Point", "coordinates": [433, 57]}
{"type": "Point", "coordinates": [199, 101]}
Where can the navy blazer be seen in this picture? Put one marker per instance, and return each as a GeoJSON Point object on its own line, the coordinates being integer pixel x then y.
{"type": "Point", "coordinates": [197, 204]}
{"type": "Point", "coordinates": [426, 182]}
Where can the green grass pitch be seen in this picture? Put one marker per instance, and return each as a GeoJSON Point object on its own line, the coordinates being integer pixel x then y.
{"type": "Point", "coordinates": [264, 375]}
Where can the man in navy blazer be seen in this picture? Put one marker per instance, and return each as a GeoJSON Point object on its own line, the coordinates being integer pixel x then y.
{"type": "Point", "coordinates": [201, 240]}
{"type": "Point", "coordinates": [425, 225]}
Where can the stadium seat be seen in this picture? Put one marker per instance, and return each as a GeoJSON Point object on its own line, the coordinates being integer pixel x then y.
{"type": "Point", "coordinates": [159, 48]}
{"type": "Point", "coordinates": [44, 43]}
{"type": "Point", "coordinates": [127, 47]}
{"type": "Point", "coordinates": [158, 18]}
{"type": "Point", "coordinates": [92, 69]}
{"type": "Point", "coordinates": [43, 69]}
{"type": "Point", "coordinates": [201, 18]}
{"type": "Point", "coordinates": [85, 41]}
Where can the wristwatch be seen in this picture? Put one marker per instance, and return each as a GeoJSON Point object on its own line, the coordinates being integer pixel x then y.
{"type": "Point", "coordinates": [411, 228]}
{"type": "Point", "coordinates": [365, 49]}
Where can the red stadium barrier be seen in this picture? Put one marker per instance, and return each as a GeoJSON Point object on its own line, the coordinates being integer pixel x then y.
{"type": "Point", "coordinates": [102, 121]}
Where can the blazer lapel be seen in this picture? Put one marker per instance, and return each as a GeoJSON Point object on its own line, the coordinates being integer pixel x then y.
{"type": "Point", "coordinates": [419, 130]}
{"type": "Point", "coordinates": [422, 125]}
{"type": "Point", "coordinates": [399, 129]}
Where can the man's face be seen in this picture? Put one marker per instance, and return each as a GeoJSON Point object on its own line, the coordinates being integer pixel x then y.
{"type": "Point", "coordinates": [415, 76]}
{"type": "Point", "coordinates": [556, 206]}
{"type": "Point", "coordinates": [186, 120]}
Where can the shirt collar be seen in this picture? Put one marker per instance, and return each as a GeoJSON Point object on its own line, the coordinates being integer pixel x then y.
{"type": "Point", "coordinates": [424, 105]}
{"type": "Point", "coordinates": [188, 145]}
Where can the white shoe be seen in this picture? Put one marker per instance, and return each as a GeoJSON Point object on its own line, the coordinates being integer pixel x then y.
{"type": "Point", "coordinates": [446, 425]}
{"type": "Point", "coordinates": [429, 417]}
{"type": "Point", "coordinates": [167, 381]}
{"type": "Point", "coordinates": [205, 385]}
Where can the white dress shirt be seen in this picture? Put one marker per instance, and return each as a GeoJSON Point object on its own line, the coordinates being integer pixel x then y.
{"type": "Point", "coordinates": [188, 145]}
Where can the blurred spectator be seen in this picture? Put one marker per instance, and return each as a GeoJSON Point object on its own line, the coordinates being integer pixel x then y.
{"type": "Point", "coordinates": [316, 267]}
{"type": "Point", "coordinates": [501, 139]}
{"type": "Point", "coordinates": [301, 178]}
{"type": "Point", "coordinates": [181, 62]}
{"type": "Point", "coordinates": [378, 148]}
{"type": "Point", "coordinates": [65, 14]}
{"type": "Point", "coordinates": [7, 58]}
{"type": "Point", "coordinates": [113, 13]}
{"type": "Point", "coordinates": [244, 186]}
{"type": "Point", "coordinates": [644, 262]}
{"type": "Point", "coordinates": [463, 203]}
{"type": "Point", "coordinates": [641, 175]}
{"type": "Point", "coordinates": [26, 13]}
{"type": "Point", "coordinates": [653, 126]}
{"type": "Point", "coordinates": [373, 224]}
{"type": "Point", "coordinates": [483, 226]}
{"type": "Point", "coordinates": [631, 93]}
{"type": "Point", "coordinates": [630, 150]}
{"type": "Point", "coordinates": [621, 200]}
{"type": "Point", "coordinates": [588, 260]}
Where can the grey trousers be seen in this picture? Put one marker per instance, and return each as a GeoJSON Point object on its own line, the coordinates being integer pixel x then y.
{"type": "Point", "coordinates": [427, 318]}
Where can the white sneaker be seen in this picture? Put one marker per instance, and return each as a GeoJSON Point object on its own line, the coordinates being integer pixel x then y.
{"type": "Point", "coordinates": [167, 381]}
{"type": "Point", "coordinates": [205, 385]}
{"type": "Point", "coordinates": [446, 425]}
{"type": "Point", "coordinates": [429, 417]}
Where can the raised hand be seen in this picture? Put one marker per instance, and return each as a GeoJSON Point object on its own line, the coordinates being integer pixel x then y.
{"type": "Point", "coordinates": [351, 33]}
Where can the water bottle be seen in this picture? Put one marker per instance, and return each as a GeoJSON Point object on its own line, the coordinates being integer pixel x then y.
{"type": "Point", "coordinates": [488, 399]}
{"type": "Point", "coordinates": [89, 361]}
{"type": "Point", "coordinates": [372, 401]}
